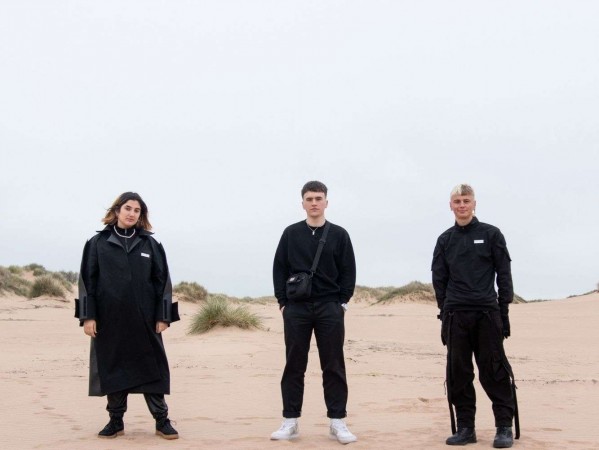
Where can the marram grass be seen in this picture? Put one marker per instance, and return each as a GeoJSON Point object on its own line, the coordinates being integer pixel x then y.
{"type": "Point", "coordinates": [47, 285]}
{"type": "Point", "coordinates": [190, 292]}
{"type": "Point", "coordinates": [10, 281]}
{"type": "Point", "coordinates": [217, 311]}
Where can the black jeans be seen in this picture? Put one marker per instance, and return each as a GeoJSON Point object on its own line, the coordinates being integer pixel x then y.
{"type": "Point", "coordinates": [478, 333]}
{"type": "Point", "coordinates": [117, 405]}
{"type": "Point", "coordinates": [326, 319]}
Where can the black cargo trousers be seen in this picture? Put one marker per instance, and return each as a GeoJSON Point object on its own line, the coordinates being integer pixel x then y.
{"type": "Point", "coordinates": [326, 319]}
{"type": "Point", "coordinates": [480, 333]}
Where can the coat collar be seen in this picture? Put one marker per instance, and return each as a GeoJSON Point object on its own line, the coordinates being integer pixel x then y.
{"type": "Point", "coordinates": [139, 231]}
{"type": "Point", "coordinates": [108, 230]}
{"type": "Point", "coordinates": [471, 225]}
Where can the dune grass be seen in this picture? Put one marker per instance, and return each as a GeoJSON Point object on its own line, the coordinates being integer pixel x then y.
{"type": "Point", "coordinates": [412, 288]}
{"type": "Point", "coordinates": [217, 311]}
{"type": "Point", "coordinates": [16, 270]}
{"type": "Point", "coordinates": [413, 291]}
{"type": "Point", "coordinates": [62, 279]}
{"type": "Point", "coordinates": [10, 281]}
{"type": "Point", "coordinates": [190, 292]}
{"type": "Point", "coordinates": [55, 284]}
{"type": "Point", "coordinates": [47, 285]}
{"type": "Point", "coordinates": [71, 277]}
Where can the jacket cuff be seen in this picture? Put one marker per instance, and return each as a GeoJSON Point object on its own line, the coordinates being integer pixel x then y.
{"type": "Point", "coordinates": [175, 312]}
{"type": "Point", "coordinates": [167, 311]}
{"type": "Point", "coordinates": [84, 309]}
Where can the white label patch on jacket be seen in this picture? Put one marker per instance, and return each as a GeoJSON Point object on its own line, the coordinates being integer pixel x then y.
{"type": "Point", "coordinates": [147, 255]}
{"type": "Point", "coordinates": [476, 241]}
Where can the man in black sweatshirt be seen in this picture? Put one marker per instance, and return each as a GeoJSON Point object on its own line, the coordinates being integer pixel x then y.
{"type": "Point", "coordinates": [323, 311]}
{"type": "Point", "coordinates": [466, 260]}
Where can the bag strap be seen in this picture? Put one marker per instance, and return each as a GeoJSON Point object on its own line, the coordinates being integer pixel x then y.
{"type": "Point", "coordinates": [321, 243]}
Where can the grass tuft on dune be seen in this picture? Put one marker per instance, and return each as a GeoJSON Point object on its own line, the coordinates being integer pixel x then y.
{"type": "Point", "coordinates": [217, 311]}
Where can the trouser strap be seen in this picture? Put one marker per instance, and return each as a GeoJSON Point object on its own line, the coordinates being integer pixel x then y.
{"type": "Point", "coordinates": [448, 380]}
{"type": "Point", "coordinates": [510, 372]}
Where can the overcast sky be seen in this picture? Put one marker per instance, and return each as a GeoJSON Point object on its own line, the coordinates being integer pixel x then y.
{"type": "Point", "coordinates": [217, 112]}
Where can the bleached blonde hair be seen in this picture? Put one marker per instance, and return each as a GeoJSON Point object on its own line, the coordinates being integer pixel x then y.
{"type": "Point", "coordinates": [462, 189]}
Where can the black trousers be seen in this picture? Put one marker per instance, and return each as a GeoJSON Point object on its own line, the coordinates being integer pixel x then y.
{"type": "Point", "coordinates": [117, 405]}
{"type": "Point", "coordinates": [326, 319]}
{"type": "Point", "coordinates": [477, 333]}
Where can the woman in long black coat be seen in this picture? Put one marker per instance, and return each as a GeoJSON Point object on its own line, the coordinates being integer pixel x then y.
{"type": "Point", "coordinates": [125, 303]}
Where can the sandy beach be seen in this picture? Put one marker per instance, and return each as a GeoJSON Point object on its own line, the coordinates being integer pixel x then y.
{"type": "Point", "coordinates": [225, 384]}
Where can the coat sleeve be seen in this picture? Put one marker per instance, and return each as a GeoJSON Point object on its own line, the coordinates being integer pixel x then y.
{"type": "Point", "coordinates": [502, 261]}
{"type": "Point", "coordinates": [440, 273]}
{"type": "Point", "coordinates": [88, 280]}
{"type": "Point", "coordinates": [280, 271]}
{"type": "Point", "coordinates": [165, 310]}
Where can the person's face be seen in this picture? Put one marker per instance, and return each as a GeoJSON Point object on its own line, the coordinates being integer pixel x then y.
{"type": "Point", "coordinates": [129, 214]}
{"type": "Point", "coordinates": [314, 203]}
{"type": "Point", "coordinates": [463, 207]}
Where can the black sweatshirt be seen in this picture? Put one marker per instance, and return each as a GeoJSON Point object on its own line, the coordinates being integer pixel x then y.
{"type": "Point", "coordinates": [465, 262]}
{"type": "Point", "coordinates": [335, 277]}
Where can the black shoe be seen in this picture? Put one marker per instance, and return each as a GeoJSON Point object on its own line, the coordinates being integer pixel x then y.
{"type": "Point", "coordinates": [462, 437]}
{"type": "Point", "coordinates": [113, 429]}
{"type": "Point", "coordinates": [504, 438]}
{"type": "Point", "coordinates": [165, 429]}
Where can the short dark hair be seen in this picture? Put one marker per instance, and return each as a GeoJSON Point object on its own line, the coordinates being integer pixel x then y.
{"type": "Point", "coordinates": [111, 219]}
{"type": "Point", "coordinates": [314, 186]}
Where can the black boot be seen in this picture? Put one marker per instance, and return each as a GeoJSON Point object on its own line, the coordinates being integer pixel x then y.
{"type": "Point", "coordinates": [165, 429]}
{"type": "Point", "coordinates": [504, 438]}
{"type": "Point", "coordinates": [113, 428]}
{"type": "Point", "coordinates": [462, 437]}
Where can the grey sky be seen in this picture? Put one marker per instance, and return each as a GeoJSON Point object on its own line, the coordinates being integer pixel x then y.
{"type": "Point", "coordinates": [217, 112]}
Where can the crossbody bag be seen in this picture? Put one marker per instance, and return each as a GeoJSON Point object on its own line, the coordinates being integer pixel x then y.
{"type": "Point", "coordinates": [299, 285]}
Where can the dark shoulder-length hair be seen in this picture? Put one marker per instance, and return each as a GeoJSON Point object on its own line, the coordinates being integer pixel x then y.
{"type": "Point", "coordinates": [111, 219]}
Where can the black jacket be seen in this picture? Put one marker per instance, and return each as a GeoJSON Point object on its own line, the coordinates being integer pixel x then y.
{"type": "Point", "coordinates": [465, 263]}
{"type": "Point", "coordinates": [335, 277]}
{"type": "Point", "coordinates": [126, 292]}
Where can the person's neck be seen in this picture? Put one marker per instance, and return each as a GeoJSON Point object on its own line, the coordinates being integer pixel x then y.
{"type": "Point", "coordinates": [464, 222]}
{"type": "Point", "coordinates": [316, 221]}
{"type": "Point", "coordinates": [126, 230]}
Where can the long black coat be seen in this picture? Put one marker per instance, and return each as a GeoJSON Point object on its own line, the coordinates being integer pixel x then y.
{"type": "Point", "coordinates": [126, 292]}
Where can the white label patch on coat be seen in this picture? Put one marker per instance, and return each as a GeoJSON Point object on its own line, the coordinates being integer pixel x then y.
{"type": "Point", "coordinates": [476, 241]}
{"type": "Point", "coordinates": [146, 255]}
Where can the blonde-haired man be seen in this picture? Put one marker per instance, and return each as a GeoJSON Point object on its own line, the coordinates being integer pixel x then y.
{"type": "Point", "coordinates": [466, 260]}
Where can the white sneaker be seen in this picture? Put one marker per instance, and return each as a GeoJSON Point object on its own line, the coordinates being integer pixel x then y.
{"type": "Point", "coordinates": [340, 432]}
{"type": "Point", "coordinates": [289, 430]}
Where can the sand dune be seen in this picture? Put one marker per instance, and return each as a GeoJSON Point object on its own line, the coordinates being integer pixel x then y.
{"type": "Point", "coordinates": [225, 384]}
